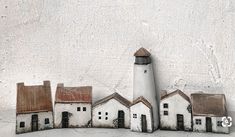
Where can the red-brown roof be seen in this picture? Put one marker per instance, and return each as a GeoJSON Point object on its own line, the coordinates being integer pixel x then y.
{"type": "Point", "coordinates": [208, 104]}
{"type": "Point", "coordinates": [142, 52]}
{"type": "Point", "coordinates": [143, 100]}
{"type": "Point", "coordinates": [174, 93]}
{"type": "Point", "coordinates": [33, 98]}
{"type": "Point", "coordinates": [115, 96]}
{"type": "Point", "coordinates": [73, 94]}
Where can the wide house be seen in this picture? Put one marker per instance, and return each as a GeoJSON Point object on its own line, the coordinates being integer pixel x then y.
{"type": "Point", "coordinates": [208, 111]}
{"type": "Point", "coordinates": [73, 106]}
{"type": "Point", "coordinates": [34, 109]}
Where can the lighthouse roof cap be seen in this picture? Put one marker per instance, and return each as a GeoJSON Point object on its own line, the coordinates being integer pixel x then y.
{"type": "Point", "coordinates": [142, 52]}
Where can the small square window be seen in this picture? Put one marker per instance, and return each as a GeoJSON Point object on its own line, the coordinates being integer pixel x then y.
{"type": "Point", "coordinates": [165, 105]}
{"type": "Point", "coordinates": [134, 115]}
{"type": "Point", "coordinates": [165, 113]}
{"type": "Point", "coordinates": [106, 113]}
{"type": "Point", "coordinates": [47, 121]}
{"type": "Point", "coordinates": [22, 124]}
{"type": "Point", "coordinates": [78, 109]}
{"type": "Point", "coordinates": [84, 108]}
{"type": "Point", "coordinates": [106, 118]}
{"type": "Point", "coordinates": [198, 121]}
{"type": "Point", "coordinates": [219, 123]}
{"type": "Point", "coordinates": [99, 117]}
{"type": "Point", "coordinates": [99, 113]}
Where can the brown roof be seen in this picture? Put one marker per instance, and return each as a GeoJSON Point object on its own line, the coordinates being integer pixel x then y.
{"type": "Point", "coordinates": [208, 104]}
{"type": "Point", "coordinates": [33, 98]}
{"type": "Point", "coordinates": [73, 94]}
{"type": "Point", "coordinates": [143, 100]}
{"type": "Point", "coordinates": [142, 52]}
{"type": "Point", "coordinates": [174, 93]}
{"type": "Point", "coordinates": [115, 96]}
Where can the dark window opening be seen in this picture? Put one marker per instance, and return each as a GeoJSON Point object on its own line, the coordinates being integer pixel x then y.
{"type": "Point", "coordinates": [22, 124]}
{"type": "Point", "coordinates": [145, 71]}
{"type": "Point", "coordinates": [165, 105]}
{"type": "Point", "coordinates": [198, 121]}
{"type": "Point", "coordinates": [78, 109]}
{"type": "Point", "coordinates": [106, 113]}
{"type": "Point", "coordinates": [134, 115]}
{"type": "Point", "coordinates": [165, 113]}
{"type": "Point", "coordinates": [219, 123]}
{"type": "Point", "coordinates": [99, 113]}
{"type": "Point", "coordinates": [99, 117]}
{"type": "Point", "coordinates": [47, 121]}
{"type": "Point", "coordinates": [84, 108]}
{"type": "Point", "coordinates": [106, 118]}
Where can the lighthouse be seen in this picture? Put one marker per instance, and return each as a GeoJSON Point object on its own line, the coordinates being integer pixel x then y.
{"type": "Point", "coordinates": [144, 84]}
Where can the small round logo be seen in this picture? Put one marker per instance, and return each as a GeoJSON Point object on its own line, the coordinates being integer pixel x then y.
{"type": "Point", "coordinates": [226, 121]}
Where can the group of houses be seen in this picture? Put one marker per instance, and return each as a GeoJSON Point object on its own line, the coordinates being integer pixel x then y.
{"type": "Point", "coordinates": [73, 106]}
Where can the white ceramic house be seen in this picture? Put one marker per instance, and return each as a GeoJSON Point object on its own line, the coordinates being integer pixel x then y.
{"type": "Point", "coordinates": [175, 111]}
{"type": "Point", "coordinates": [208, 110]}
{"type": "Point", "coordinates": [111, 112]}
{"type": "Point", "coordinates": [144, 84]}
{"type": "Point", "coordinates": [141, 116]}
{"type": "Point", "coordinates": [72, 106]}
{"type": "Point", "coordinates": [34, 109]}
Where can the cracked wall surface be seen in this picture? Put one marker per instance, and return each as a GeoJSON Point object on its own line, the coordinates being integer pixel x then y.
{"type": "Point", "coordinates": [91, 42]}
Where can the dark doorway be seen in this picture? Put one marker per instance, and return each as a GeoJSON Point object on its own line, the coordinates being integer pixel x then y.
{"type": "Point", "coordinates": [34, 122]}
{"type": "Point", "coordinates": [208, 124]}
{"type": "Point", "coordinates": [65, 119]}
{"type": "Point", "coordinates": [180, 122]}
{"type": "Point", "coordinates": [143, 123]}
{"type": "Point", "coordinates": [121, 119]}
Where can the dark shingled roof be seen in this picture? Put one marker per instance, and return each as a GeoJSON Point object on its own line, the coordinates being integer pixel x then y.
{"type": "Point", "coordinates": [33, 98]}
{"type": "Point", "coordinates": [115, 96]}
{"type": "Point", "coordinates": [143, 100]}
{"type": "Point", "coordinates": [73, 94]}
{"type": "Point", "coordinates": [174, 93]}
{"type": "Point", "coordinates": [142, 52]}
{"type": "Point", "coordinates": [208, 104]}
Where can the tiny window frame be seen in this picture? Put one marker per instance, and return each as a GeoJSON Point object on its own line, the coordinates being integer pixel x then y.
{"type": "Point", "coordinates": [134, 115]}
{"type": "Point", "coordinates": [99, 113]}
{"type": "Point", "coordinates": [99, 117]}
{"type": "Point", "coordinates": [78, 108]}
{"type": "Point", "coordinates": [106, 118]}
{"type": "Point", "coordinates": [47, 121]}
{"type": "Point", "coordinates": [165, 105]}
{"type": "Point", "coordinates": [22, 124]}
{"type": "Point", "coordinates": [165, 113]}
{"type": "Point", "coordinates": [84, 109]}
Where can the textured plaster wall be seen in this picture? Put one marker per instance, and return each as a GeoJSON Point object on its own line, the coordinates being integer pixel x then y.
{"type": "Point", "coordinates": [91, 42]}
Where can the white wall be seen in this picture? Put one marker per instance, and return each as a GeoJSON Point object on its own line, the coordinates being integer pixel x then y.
{"type": "Point", "coordinates": [112, 106]}
{"type": "Point", "coordinates": [27, 118]}
{"type": "Point", "coordinates": [76, 118]}
{"type": "Point", "coordinates": [176, 105]}
{"type": "Point", "coordinates": [91, 42]}
{"type": "Point", "coordinates": [216, 128]}
{"type": "Point", "coordinates": [135, 123]}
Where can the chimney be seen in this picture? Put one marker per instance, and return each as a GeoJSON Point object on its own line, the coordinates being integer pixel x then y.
{"type": "Point", "coordinates": [60, 85]}
{"type": "Point", "coordinates": [47, 83]}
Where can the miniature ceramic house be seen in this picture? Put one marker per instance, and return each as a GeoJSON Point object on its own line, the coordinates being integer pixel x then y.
{"type": "Point", "coordinates": [141, 115]}
{"type": "Point", "coordinates": [73, 106]}
{"type": "Point", "coordinates": [34, 109]}
{"type": "Point", "coordinates": [144, 84]}
{"type": "Point", "coordinates": [175, 111]}
{"type": "Point", "coordinates": [111, 111]}
{"type": "Point", "coordinates": [208, 110]}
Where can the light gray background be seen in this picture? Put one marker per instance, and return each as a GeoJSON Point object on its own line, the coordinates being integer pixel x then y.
{"type": "Point", "coordinates": [91, 42]}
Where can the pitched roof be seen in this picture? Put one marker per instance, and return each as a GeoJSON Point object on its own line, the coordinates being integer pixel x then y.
{"type": "Point", "coordinates": [142, 52]}
{"type": "Point", "coordinates": [208, 104]}
{"type": "Point", "coordinates": [115, 96]}
{"type": "Point", "coordinates": [33, 98]}
{"type": "Point", "coordinates": [73, 94]}
{"type": "Point", "coordinates": [143, 100]}
{"type": "Point", "coordinates": [174, 93]}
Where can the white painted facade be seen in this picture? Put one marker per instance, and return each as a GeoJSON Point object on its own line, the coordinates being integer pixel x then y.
{"type": "Point", "coordinates": [144, 85]}
{"type": "Point", "coordinates": [27, 118]}
{"type": "Point", "coordinates": [110, 110]}
{"type": "Point", "coordinates": [76, 118]}
{"type": "Point", "coordinates": [140, 109]}
{"type": "Point", "coordinates": [202, 127]}
{"type": "Point", "coordinates": [176, 105]}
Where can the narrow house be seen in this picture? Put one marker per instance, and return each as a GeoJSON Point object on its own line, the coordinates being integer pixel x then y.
{"type": "Point", "coordinates": [72, 106]}
{"type": "Point", "coordinates": [208, 111]}
{"type": "Point", "coordinates": [111, 112]}
{"type": "Point", "coordinates": [34, 109]}
{"type": "Point", "coordinates": [141, 115]}
{"type": "Point", "coordinates": [175, 111]}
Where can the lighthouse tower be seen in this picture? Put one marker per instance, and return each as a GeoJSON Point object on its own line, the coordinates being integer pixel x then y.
{"type": "Point", "coordinates": [144, 84]}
